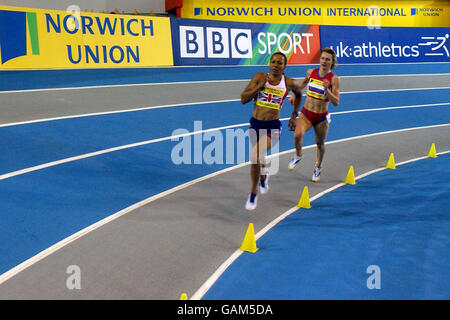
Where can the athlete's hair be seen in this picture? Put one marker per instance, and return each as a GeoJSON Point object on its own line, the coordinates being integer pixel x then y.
{"type": "Point", "coordinates": [330, 51]}
{"type": "Point", "coordinates": [281, 54]}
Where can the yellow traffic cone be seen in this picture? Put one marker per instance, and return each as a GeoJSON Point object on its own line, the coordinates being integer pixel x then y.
{"type": "Point", "coordinates": [391, 163]}
{"type": "Point", "coordinates": [350, 179]}
{"type": "Point", "coordinates": [304, 199]}
{"type": "Point", "coordinates": [249, 243]}
{"type": "Point", "coordinates": [432, 152]}
{"type": "Point", "coordinates": [183, 296]}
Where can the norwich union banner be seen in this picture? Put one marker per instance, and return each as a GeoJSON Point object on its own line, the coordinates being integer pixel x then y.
{"type": "Point", "coordinates": [370, 13]}
{"type": "Point", "coordinates": [38, 38]}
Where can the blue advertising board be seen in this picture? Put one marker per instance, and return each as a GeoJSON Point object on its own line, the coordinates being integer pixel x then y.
{"type": "Point", "coordinates": [204, 42]}
{"type": "Point", "coordinates": [387, 44]}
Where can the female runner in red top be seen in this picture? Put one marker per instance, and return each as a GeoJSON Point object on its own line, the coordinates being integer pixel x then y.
{"type": "Point", "coordinates": [322, 87]}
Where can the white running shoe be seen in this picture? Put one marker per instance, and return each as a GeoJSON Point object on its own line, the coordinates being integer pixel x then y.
{"type": "Point", "coordinates": [294, 162]}
{"type": "Point", "coordinates": [251, 205]}
{"type": "Point", "coordinates": [264, 185]}
{"type": "Point", "coordinates": [316, 174]}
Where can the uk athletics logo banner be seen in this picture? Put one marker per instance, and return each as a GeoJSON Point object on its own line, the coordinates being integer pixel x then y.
{"type": "Point", "coordinates": [387, 44]}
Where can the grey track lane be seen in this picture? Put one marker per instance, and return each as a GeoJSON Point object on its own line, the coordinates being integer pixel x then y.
{"type": "Point", "coordinates": [174, 244]}
{"type": "Point", "coordinates": [33, 105]}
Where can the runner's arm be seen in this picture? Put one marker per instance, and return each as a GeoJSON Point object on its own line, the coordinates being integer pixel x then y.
{"type": "Point", "coordinates": [256, 84]}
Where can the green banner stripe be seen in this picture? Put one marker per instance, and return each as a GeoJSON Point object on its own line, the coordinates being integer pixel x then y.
{"type": "Point", "coordinates": [33, 30]}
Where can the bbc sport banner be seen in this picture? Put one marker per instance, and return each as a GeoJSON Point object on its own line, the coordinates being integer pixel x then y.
{"type": "Point", "coordinates": [413, 13]}
{"type": "Point", "coordinates": [201, 42]}
{"type": "Point", "coordinates": [392, 45]}
{"type": "Point", "coordinates": [38, 38]}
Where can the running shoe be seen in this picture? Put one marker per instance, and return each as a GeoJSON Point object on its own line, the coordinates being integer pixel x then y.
{"type": "Point", "coordinates": [251, 201]}
{"type": "Point", "coordinates": [264, 185]}
{"type": "Point", "coordinates": [316, 174]}
{"type": "Point", "coordinates": [294, 162]}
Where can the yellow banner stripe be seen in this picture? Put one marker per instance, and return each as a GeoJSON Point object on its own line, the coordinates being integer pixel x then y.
{"type": "Point", "coordinates": [367, 13]}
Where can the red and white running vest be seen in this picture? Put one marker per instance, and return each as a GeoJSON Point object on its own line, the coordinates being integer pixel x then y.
{"type": "Point", "coordinates": [316, 88]}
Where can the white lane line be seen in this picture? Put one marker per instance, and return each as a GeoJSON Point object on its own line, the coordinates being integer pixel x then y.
{"type": "Point", "coordinates": [397, 75]}
{"type": "Point", "coordinates": [200, 82]}
{"type": "Point", "coordinates": [97, 153]}
{"type": "Point", "coordinates": [236, 254]}
{"type": "Point", "coordinates": [41, 255]}
{"type": "Point", "coordinates": [235, 66]}
{"type": "Point", "coordinates": [120, 85]}
{"type": "Point", "coordinates": [186, 104]}
{"type": "Point", "coordinates": [141, 143]}
{"type": "Point", "coordinates": [117, 111]}
{"type": "Point", "coordinates": [392, 108]}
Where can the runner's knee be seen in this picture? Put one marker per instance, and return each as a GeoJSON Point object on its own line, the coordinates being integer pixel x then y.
{"type": "Point", "coordinates": [320, 145]}
{"type": "Point", "coordinates": [298, 135]}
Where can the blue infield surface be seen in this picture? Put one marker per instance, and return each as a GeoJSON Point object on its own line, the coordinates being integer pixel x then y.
{"type": "Point", "coordinates": [384, 238]}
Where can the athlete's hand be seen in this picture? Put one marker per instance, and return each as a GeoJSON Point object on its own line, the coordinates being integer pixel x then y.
{"type": "Point", "coordinates": [326, 84]}
{"type": "Point", "coordinates": [292, 123]}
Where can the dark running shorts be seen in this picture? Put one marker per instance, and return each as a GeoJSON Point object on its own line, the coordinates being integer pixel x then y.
{"type": "Point", "coordinates": [271, 127]}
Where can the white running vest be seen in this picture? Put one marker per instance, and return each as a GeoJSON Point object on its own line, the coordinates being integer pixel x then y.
{"type": "Point", "coordinates": [272, 96]}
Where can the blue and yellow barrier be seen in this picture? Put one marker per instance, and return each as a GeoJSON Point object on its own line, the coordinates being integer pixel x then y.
{"type": "Point", "coordinates": [50, 39]}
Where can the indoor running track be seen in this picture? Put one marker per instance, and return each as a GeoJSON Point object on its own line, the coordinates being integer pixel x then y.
{"type": "Point", "coordinates": [87, 180]}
